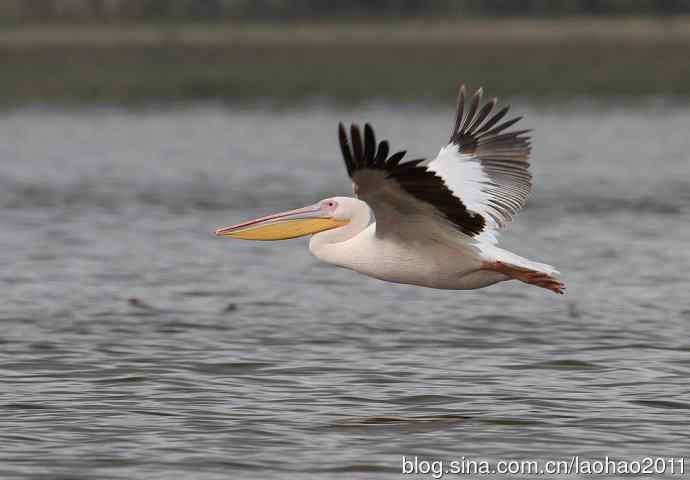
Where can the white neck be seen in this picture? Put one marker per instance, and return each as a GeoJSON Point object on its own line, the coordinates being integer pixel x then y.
{"type": "Point", "coordinates": [330, 245]}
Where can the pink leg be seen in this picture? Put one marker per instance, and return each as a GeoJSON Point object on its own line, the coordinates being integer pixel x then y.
{"type": "Point", "coordinates": [529, 276]}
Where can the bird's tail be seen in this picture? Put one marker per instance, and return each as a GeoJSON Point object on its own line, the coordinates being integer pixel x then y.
{"type": "Point", "coordinates": [495, 253]}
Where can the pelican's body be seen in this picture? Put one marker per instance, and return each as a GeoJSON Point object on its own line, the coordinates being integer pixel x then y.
{"type": "Point", "coordinates": [450, 264]}
{"type": "Point", "coordinates": [435, 222]}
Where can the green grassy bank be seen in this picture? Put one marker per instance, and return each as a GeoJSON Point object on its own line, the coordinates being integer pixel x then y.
{"type": "Point", "coordinates": [351, 62]}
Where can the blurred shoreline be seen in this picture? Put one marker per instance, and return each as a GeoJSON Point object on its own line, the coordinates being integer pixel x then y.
{"type": "Point", "coordinates": [424, 31]}
{"type": "Point", "coordinates": [345, 62]}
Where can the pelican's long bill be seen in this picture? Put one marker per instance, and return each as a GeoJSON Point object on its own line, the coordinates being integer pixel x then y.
{"type": "Point", "coordinates": [281, 226]}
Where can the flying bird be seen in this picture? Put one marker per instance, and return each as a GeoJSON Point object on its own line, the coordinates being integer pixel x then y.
{"type": "Point", "coordinates": [435, 223]}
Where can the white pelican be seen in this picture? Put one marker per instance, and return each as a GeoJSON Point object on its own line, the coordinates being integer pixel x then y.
{"type": "Point", "coordinates": [435, 222]}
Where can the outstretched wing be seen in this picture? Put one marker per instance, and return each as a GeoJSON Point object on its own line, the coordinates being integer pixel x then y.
{"type": "Point", "coordinates": [402, 195]}
{"type": "Point", "coordinates": [475, 185]}
{"type": "Point", "coordinates": [484, 164]}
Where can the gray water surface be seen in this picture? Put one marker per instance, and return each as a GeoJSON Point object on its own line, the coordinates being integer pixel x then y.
{"type": "Point", "coordinates": [135, 344]}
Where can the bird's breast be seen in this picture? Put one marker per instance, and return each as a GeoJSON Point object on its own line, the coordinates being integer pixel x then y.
{"type": "Point", "coordinates": [431, 265]}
